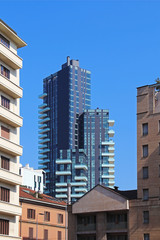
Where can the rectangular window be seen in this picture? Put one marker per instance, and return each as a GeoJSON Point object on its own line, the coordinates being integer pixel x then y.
{"type": "Point", "coordinates": [4, 41]}
{"type": "Point", "coordinates": [4, 227]}
{"type": "Point", "coordinates": [145, 172]}
{"type": "Point", "coordinates": [4, 194]}
{"type": "Point", "coordinates": [145, 216]}
{"type": "Point", "coordinates": [146, 236]}
{"type": "Point", "coordinates": [46, 216]}
{"type": "Point", "coordinates": [145, 151]}
{"type": "Point", "coordinates": [31, 213]}
{"type": "Point", "coordinates": [5, 102]}
{"type": "Point", "coordinates": [60, 218]}
{"type": "Point", "coordinates": [30, 233]}
{"type": "Point", "coordinates": [5, 163]}
{"type": "Point", "coordinates": [45, 234]}
{"type": "Point", "coordinates": [145, 194]}
{"type": "Point", "coordinates": [5, 72]}
{"type": "Point", "coordinates": [5, 132]}
{"type": "Point", "coordinates": [145, 129]}
{"type": "Point", "coordinates": [59, 235]}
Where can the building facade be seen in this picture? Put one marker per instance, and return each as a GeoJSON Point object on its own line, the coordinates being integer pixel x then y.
{"type": "Point", "coordinates": [10, 123]}
{"type": "Point", "coordinates": [145, 211]}
{"type": "Point", "coordinates": [66, 106]}
{"type": "Point", "coordinates": [43, 217]}
{"type": "Point", "coordinates": [32, 178]}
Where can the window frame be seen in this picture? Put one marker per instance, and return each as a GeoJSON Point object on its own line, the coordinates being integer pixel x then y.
{"type": "Point", "coordinates": [31, 213]}
{"type": "Point", "coordinates": [4, 226]}
{"type": "Point", "coordinates": [147, 175]}
{"type": "Point", "coordinates": [143, 129]}
{"type": "Point", "coordinates": [60, 218]}
{"type": "Point", "coordinates": [5, 163]}
{"type": "Point", "coordinates": [47, 216]}
{"type": "Point", "coordinates": [145, 217]}
{"type": "Point", "coordinates": [145, 154]}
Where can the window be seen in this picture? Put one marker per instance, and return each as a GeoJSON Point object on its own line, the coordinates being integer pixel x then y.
{"type": "Point", "coordinates": [145, 129]}
{"type": "Point", "coordinates": [5, 132]}
{"type": "Point", "coordinates": [46, 216]}
{"type": "Point", "coordinates": [146, 236]}
{"type": "Point", "coordinates": [60, 218]}
{"type": "Point", "coordinates": [4, 194]}
{"type": "Point", "coordinates": [5, 72]}
{"type": "Point", "coordinates": [30, 233]}
{"type": "Point", "coordinates": [4, 41]}
{"type": "Point", "coordinates": [5, 102]}
{"type": "Point", "coordinates": [145, 194]}
{"type": "Point", "coordinates": [145, 172]}
{"type": "Point", "coordinates": [4, 227]}
{"type": "Point", "coordinates": [146, 217]}
{"type": "Point", "coordinates": [31, 213]}
{"type": "Point", "coordinates": [145, 151]}
{"type": "Point", "coordinates": [45, 234]}
{"type": "Point", "coordinates": [5, 163]}
{"type": "Point", "coordinates": [59, 235]}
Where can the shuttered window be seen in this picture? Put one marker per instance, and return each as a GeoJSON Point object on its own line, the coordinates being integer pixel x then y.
{"type": "Point", "coordinates": [59, 235]}
{"type": "Point", "coordinates": [5, 163]}
{"type": "Point", "coordinates": [30, 233]}
{"type": "Point", "coordinates": [45, 234]}
{"type": "Point", "coordinates": [4, 227]}
{"type": "Point", "coordinates": [31, 213]}
{"type": "Point", "coordinates": [5, 102]}
{"type": "Point", "coordinates": [60, 218]}
{"type": "Point", "coordinates": [5, 72]}
{"type": "Point", "coordinates": [4, 194]}
{"type": "Point", "coordinates": [5, 132]}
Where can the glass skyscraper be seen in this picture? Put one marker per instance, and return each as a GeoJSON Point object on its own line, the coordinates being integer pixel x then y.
{"type": "Point", "coordinates": [67, 152]}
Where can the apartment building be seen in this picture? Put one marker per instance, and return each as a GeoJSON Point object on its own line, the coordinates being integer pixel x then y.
{"type": "Point", "coordinates": [145, 211]}
{"type": "Point", "coordinates": [10, 123]}
{"type": "Point", "coordinates": [75, 141]}
{"type": "Point", "coordinates": [101, 214]}
{"type": "Point", "coordinates": [43, 217]}
{"type": "Point", "coordinates": [32, 178]}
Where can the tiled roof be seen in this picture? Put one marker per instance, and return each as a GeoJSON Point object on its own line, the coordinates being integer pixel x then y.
{"type": "Point", "coordinates": [27, 193]}
{"type": "Point", "coordinates": [129, 194]}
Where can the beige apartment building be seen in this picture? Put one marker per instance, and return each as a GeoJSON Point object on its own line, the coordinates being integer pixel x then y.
{"type": "Point", "coordinates": [10, 123]}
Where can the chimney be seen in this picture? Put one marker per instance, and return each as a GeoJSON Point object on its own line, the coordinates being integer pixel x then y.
{"type": "Point", "coordinates": [116, 188]}
{"type": "Point", "coordinates": [69, 193]}
{"type": "Point", "coordinates": [68, 61]}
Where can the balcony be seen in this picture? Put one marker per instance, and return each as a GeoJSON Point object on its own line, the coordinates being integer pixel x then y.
{"type": "Point", "coordinates": [63, 173]}
{"type": "Point", "coordinates": [42, 136]}
{"type": "Point", "coordinates": [111, 123]}
{"type": "Point", "coordinates": [44, 141]}
{"type": "Point", "coordinates": [10, 147]}
{"type": "Point", "coordinates": [42, 162]}
{"type": "Point", "coordinates": [44, 120]}
{"type": "Point", "coordinates": [10, 118]}
{"type": "Point", "coordinates": [107, 154]}
{"type": "Point", "coordinates": [10, 209]}
{"type": "Point", "coordinates": [107, 165]}
{"type": "Point", "coordinates": [80, 178]}
{"type": "Point", "coordinates": [61, 189]}
{"type": "Point", "coordinates": [42, 126]}
{"type": "Point", "coordinates": [86, 227]}
{"type": "Point", "coordinates": [42, 157]}
{"type": "Point", "coordinates": [10, 88]}
{"type": "Point", "coordinates": [111, 133]}
{"type": "Point", "coordinates": [81, 190]}
{"type": "Point", "coordinates": [111, 149]}
{"type": "Point", "coordinates": [111, 183]}
{"type": "Point", "coordinates": [63, 161]}
{"type": "Point", "coordinates": [10, 177]}
{"type": "Point", "coordinates": [10, 58]}
{"type": "Point", "coordinates": [61, 184]}
{"type": "Point", "coordinates": [41, 96]}
{"type": "Point", "coordinates": [77, 195]}
{"type": "Point", "coordinates": [112, 171]}
{"type": "Point", "coordinates": [110, 143]}
{"type": "Point", "coordinates": [111, 160]}
{"type": "Point", "coordinates": [42, 105]}
{"type": "Point", "coordinates": [108, 176]}
{"type": "Point", "coordinates": [117, 226]}
{"type": "Point", "coordinates": [74, 184]}
{"type": "Point", "coordinates": [61, 195]}
{"type": "Point", "coordinates": [8, 237]}
{"type": "Point", "coordinates": [81, 166]}
{"type": "Point", "coordinates": [44, 151]}
{"type": "Point", "coordinates": [44, 110]}
{"type": "Point", "coordinates": [41, 116]}
{"type": "Point", "coordinates": [44, 130]}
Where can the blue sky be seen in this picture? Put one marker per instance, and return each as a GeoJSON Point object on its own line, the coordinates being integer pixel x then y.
{"type": "Point", "coordinates": [118, 41]}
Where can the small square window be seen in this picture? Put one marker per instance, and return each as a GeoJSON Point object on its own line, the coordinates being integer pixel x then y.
{"type": "Point", "coordinates": [145, 151]}
{"type": "Point", "coordinates": [145, 194]}
{"type": "Point", "coordinates": [145, 172]}
{"type": "Point", "coordinates": [145, 217]}
{"type": "Point", "coordinates": [145, 129]}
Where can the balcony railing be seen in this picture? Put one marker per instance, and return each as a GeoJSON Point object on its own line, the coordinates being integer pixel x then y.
{"type": "Point", "coordinates": [86, 227]}
{"type": "Point", "coordinates": [118, 226]}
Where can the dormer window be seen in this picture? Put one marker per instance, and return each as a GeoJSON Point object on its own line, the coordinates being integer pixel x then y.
{"type": "Point", "coordinates": [4, 41]}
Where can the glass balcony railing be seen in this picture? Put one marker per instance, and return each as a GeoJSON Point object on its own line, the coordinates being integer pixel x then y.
{"type": "Point", "coordinates": [116, 226]}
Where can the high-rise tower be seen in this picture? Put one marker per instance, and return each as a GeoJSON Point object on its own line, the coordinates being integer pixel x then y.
{"type": "Point", "coordinates": [74, 141]}
{"type": "Point", "coordinates": [10, 123]}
